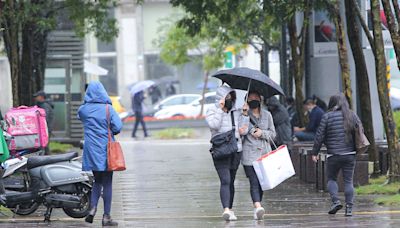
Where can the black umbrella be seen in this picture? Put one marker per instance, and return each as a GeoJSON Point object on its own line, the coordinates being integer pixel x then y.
{"type": "Point", "coordinates": [247, 79]}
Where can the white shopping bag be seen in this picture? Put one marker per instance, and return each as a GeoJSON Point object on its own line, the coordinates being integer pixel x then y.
{"type": "Point", "coordinates": [274, 168]}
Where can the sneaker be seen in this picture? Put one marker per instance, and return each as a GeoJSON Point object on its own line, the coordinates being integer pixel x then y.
{"type": "Point", "coordinates": [259, 213]}
{"type": "Point", "coordinates": [335, 207]}
{"type": "Point", "coordinates": [226, 216]}
{"type": "Point", "coordinates": [107, 221]}
{"type": "Point", "coordinates": [232, 216]}
{"type": "Point", "coordinates": [349, 211]}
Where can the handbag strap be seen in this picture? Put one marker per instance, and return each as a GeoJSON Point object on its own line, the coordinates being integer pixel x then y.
{"type": "Point", "coordinates": [108, 122]}
{"type": "Point", "coordinates": [233, 120]}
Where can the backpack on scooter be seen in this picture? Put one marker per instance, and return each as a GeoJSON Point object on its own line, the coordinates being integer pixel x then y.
{"type": "Point", "coordinates": [28, 128]}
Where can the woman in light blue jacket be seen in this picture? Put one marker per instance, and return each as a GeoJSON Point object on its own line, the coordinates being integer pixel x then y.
{"type": "Point", "coordinates": [218, 118]}
{"type": "Point", "coordinates": [255, 144]}
{"type": "Point", "coordinates": [93, 116]}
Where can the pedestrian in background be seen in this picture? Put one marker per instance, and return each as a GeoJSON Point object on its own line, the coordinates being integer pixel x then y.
{"type": "Point", "coordinates": [93, 115]}
{"type": "Point", "coordinates": [42, 102]}
{"type": "Point", "coordinates": [137, 107]}
{"type": "Point", "coordinates": [155, 94]}
{"type": "Point", "coordinates": [281, 119]}
{"type": "Point", "coordinates": [255, 144]}
{"type": "Point", "coordinates": [218, 118]}
{"type": "Point", "coordinates": [337, 132]}
{"type": "Point", "coordinates": [315, 115]}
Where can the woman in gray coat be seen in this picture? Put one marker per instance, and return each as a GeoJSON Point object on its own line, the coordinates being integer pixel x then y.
{"type": "Point", "coordinates": [218, 118]}
{"type": "Point", "coordinates": [255, 144]}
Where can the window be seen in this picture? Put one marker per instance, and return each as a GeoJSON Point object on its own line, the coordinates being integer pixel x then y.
{"type": "Point", "coordinates": [190, 99]}
{"type": "Point", "coordinates": [210, 99]}
{"type": "Point", "coordinates": [109, 81]}
{"type": "Point", "coordinates": [174, 101]}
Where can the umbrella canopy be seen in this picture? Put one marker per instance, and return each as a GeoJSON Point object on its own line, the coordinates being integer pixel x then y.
{"type": "Point", "coordinates": [243, 77]}
{"type": "Point", "coordinates": [91, 68]}
{"type": "Point", "coordinates": [140, 86]}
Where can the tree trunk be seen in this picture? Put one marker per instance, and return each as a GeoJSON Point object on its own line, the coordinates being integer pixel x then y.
{"type": "Point", "coordinates": [353, 31]}
{"type": "Point", "coordinates": [298, 64]}
{"type": "Point", "coordinates": [392, 29]}
{"type": "Point", "coordinates": [386, 110]}
{"type": "Point", "coordinates": [204, 92]}
{"type": "Point", "coordinates": [265, 59]}
{"type": "Point", "coordinates": [11, 42]}
{"type": "Point", "coordinates": [342, 48]}
{"type": "Point", "coordinates": [27, 79]}
{"type": "Point", "coordinates": [283, 62]}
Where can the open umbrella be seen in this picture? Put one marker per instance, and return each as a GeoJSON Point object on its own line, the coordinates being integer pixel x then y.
{"type": "Point", "coordinates": [247, 79]}
{"type": "Point", "coordinates": [140, 86]}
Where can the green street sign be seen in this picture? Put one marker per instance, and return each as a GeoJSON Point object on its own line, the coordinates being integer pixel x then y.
{"type": "Point", "coordinates": [228, 62]}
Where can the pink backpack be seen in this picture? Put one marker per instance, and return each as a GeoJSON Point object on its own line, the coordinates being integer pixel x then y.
{"type": "Point", "coordinates": [28, 127]}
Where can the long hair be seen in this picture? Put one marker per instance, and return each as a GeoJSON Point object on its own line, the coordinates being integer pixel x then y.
{"type": "Point", "coordinates": [339, 102]}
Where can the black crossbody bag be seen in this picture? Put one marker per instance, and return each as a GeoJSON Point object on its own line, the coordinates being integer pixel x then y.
{"type": "Point", "coordinates": [224, 144]}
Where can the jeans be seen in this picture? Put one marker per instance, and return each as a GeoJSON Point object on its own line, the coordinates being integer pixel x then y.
{"type": "Point", "coordinates": [305, 136]}
{"type": "Point", "coordinates": [102, 181]}
{"type": "Point", "coordinates": [255, 189]}
{"type": "Point", "coordinates": [139, 119]}
{"type": "Point", "coordinates": [346, 163]}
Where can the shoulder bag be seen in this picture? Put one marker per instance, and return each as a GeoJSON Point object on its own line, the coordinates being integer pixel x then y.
{"type": "Point", "coordinates": [224, 144]}
{"type": "Point", "coordinates": [115, 156]}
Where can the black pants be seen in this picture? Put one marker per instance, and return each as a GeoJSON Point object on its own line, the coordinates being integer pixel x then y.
{"type": "Point", "coordinates": [226, 169]}
{"type": "Point", "coordinates": [255, 189]}
{"type": "Point", "coordinates": [346, 163]}
{"type": "Point", "coordinates": [139, 119]}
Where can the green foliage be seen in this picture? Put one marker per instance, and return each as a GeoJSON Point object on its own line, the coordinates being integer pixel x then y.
{"type": "Point", "coordinates": [396, 116]}
{"type": "Point", "coordinates": [379, 186]}
{"type": "Point", "coordinates": [57, 148]}
{"type": "Point", "coordinates": [393, 200]}
{"type": "Point", "coordinates": [246, 21]}
{"type": "Point", "coordinates": [175, 133]}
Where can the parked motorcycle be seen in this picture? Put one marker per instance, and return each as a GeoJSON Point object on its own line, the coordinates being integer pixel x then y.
{"type": "Point", "coordinates": [56, 181]}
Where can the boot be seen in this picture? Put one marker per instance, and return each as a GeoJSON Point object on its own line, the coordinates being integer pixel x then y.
{"type": "Point", "coordinates": [107, 221]}
{"type": "Point", "coordinates": [349, 210]}
{"type": "Point", "coordinates": [335, 207]}
{"type": "Point", "coordinates": [90, 216]}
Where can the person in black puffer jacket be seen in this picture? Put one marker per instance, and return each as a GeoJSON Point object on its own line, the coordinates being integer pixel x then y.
{"type": "Point", "coordinates": [336, 131]}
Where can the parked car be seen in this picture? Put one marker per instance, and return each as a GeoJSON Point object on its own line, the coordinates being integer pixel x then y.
{"type": "Point", "coordinates": [179, 99]}
{"type": "Point", "coordinates": [191, 109]}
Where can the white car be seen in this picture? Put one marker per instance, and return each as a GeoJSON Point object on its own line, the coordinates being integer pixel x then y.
{"type": "Point", "coordinates": [187, 110]}
{"type": "Point", "coordinates": [180, 99]}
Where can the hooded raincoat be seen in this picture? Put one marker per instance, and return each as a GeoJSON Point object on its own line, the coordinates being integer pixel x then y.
{"type": "Point", "coordinates": [220, 121]}
{"type": "Point", "coordinates": [93, 116]}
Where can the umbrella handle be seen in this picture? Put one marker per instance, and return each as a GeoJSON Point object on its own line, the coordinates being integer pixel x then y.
{"type": "Point", "coordinates": [248, 90]}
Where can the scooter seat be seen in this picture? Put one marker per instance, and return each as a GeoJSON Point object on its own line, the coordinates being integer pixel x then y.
{"type": "Point", "coordinates": [37, 161]}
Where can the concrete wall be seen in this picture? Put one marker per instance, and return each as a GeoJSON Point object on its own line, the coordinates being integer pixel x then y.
{"type": "Point", "coordinates": [5, 86]}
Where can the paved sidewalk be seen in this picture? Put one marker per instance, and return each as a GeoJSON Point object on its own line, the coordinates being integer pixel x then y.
{"type": "Point", "coordinates": [174, 184]}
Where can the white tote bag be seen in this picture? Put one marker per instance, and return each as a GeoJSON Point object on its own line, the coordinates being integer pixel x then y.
{"type": "Point", "coordinates": [274, 168]}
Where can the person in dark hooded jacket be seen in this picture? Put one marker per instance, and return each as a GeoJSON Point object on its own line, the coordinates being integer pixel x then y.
{"type": "Point", "coordinates": [281, 119]}
{"type": "Point", "coordinates": [93, 115]}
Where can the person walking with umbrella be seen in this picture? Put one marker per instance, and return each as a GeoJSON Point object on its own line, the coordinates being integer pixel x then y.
{"type": "Point", "coordinates": [137, 96]}
{"type": "Point", "coordinates": [137, 107]}
{"type": "Point", "coordinates": [222, 118]}
{"type": "Point", "coordinates": [255, 144]}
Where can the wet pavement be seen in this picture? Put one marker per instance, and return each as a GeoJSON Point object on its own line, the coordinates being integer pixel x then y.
{"type": "Point", "coordinates": [174, 184]}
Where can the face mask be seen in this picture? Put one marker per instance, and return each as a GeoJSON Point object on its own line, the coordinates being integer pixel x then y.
{"type": "Point", "coordinates": [254, 104]}
{"type": "Point", "coordinates": [228, 104]}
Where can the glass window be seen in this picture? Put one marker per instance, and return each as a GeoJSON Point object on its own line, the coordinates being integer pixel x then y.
{"type": "Point", "coordinates": [190, 99]}
{"type": "Point", "coordinates": [174, 101]}
{"type": "Point", "coordinates": [109, 81]}
{"type": "Point", "coordinates": [210, 99]}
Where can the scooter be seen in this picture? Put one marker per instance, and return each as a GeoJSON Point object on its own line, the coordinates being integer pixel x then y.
{"type": "Point", "coordinates": [56, 181]}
